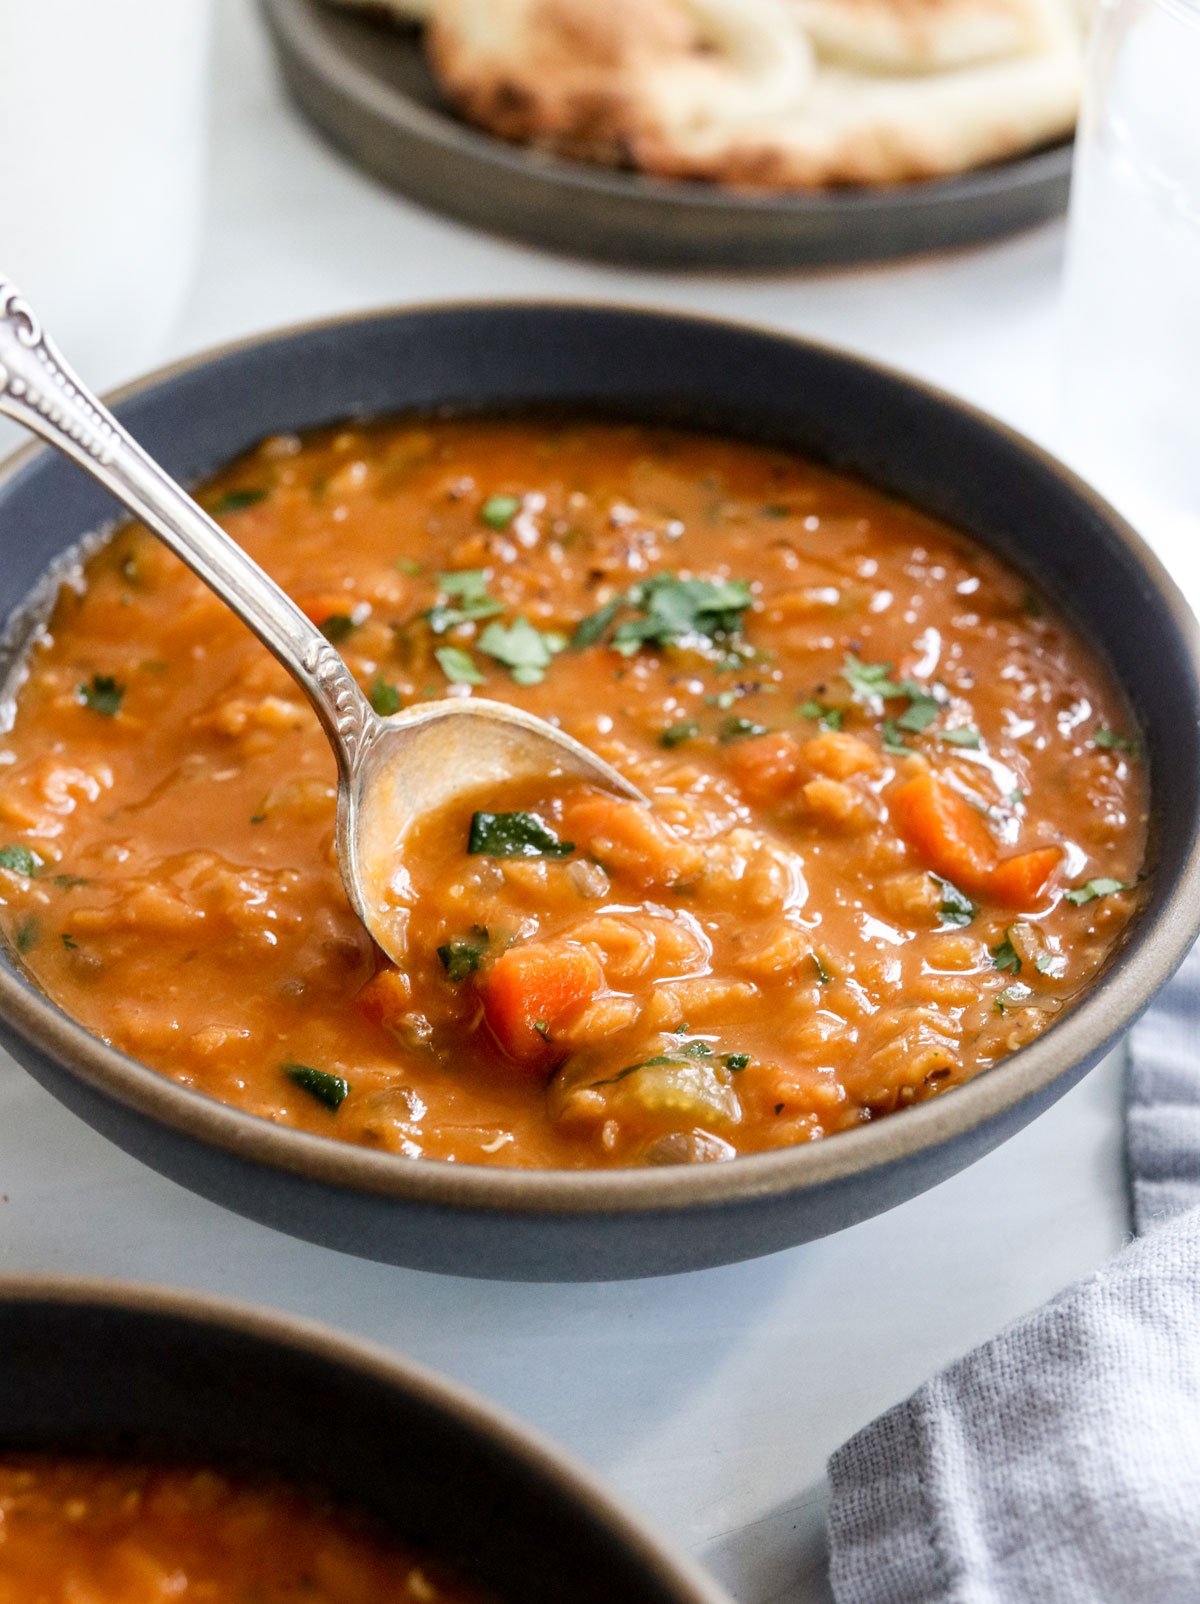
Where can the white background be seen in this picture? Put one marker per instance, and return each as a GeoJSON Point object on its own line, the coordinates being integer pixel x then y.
{"type": "Point", "coordinates": [710, 1401]}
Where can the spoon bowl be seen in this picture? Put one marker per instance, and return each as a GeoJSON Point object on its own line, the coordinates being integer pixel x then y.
{"type": "Point", "coordinates": [390, 771]}
{"type": "Point", "coordinates": [417, 761]}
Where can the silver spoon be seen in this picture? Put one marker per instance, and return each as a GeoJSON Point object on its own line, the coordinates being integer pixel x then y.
{"type": "Point", "coordinates": [391, 771]}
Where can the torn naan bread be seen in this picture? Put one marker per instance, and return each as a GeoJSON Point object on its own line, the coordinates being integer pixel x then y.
{"type": "Point", "coordinates": [766, 93]}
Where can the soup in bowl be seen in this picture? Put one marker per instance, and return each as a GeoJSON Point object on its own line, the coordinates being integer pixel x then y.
{"type": "Point", "coordinates": [918, 839]}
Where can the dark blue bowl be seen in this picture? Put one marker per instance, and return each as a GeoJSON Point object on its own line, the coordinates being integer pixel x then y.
{"type": "Point", "coordinates": [913, 441]}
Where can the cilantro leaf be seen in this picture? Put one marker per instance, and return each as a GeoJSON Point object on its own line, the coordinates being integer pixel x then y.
{"type": "Point", "coordinates": [499, 511]}
{"type": "Point", "coordinates": [962, 735]}
{"type": "Point", "coordinates": [736, 1062]}
{"type": "Point", "coordinates": [1109, 741]}
{"type": "Point", "coordinates": [894, 743]}
{"type": "Point", "coordinates": [823, 974]}
{"type": "Point", "coordinates": [462, 958]}
{"type": "Point", "coordinates": [1006, 957]}
{"type": "Point", "coordinates": [467, 587]}
{"type": "Point", "coordinates": [21, 860]}
{"type": "Point", "coordinates": [235, 500]}
{"type": "Point", "coordinates": [1094, 889]}
{"type": "Point", "coordinates": [384, 698]}
{"type": "Point", "coordinates": [594, 627]}
{"type": "Point", "coordinates": [458, 666]}
{"type": "Point", "coordinates": [514, 835]}
{"type": "Point", "coordinates": [738, 728]}
{"type": "Point", "coordinates": [829, 718]}
{"type": "Point", "coordinates": [957, 909]}
{"type": "Point", "coordinates": [869, 680]}
{"type": "Point", "coordinates": [329, 1089]}
{"type": "Point", "coordinates": [922, 708]}
{"type": "Point", "coordinates": [103, 694]}
{"type": "Point", "coordinates": [676, 734]}
{"type": "Point", "coordinates": [524, 650]}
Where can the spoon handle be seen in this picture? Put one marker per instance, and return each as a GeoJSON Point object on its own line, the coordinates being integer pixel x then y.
{"type": "Point", "coordinates": [39, 390]}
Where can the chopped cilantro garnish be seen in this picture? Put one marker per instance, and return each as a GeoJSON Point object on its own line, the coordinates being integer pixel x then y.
{"type": "Point", "coordinates": [103, 695]}
{"type": "Point", "coordinates": [673, 612]}
{"type": "Point", "coordinates": [1006, 957]}
{"type": "Point", "coordinates": [385, 698]}
{"type": "Point", "coordinates": [1015, 798]}
{"type": "Point", "coordinates": [823, 974]}
{"type": "Point", "coordinates": [514, 835]}
{"type": "Point", "coordinates": [21, 860]}
{"type": "Point", "coordinates": [329, 1089]}
{"type": "Point", "coordinates": [1050, 963]}
{"type": "Point", "coordinates": [1109, 741]}
{"type": "Point", "coordinates": [258, 818]}
{"type": "Point", "coordinates": [339, 627]}
{"type": "Point", "coordinates": [595, 626]}
{"type": "Point", "coordinates": [458, 666]}
{"type": "Point", "coordinates": [679, 1055]}
{"type": "Point", "coordinates": [499, 511]}
{"type": "Point", "coordinates": [462, 958]}
{"type": "Point", "coordinates": [69, 882]}
{"type": "Point", "coordinates": [409, 566]}
{"type": "Point", "coordinates": [27, 934]}
{"type": "Point", "coordinates": [869, 680]}
{"type": "Point", "coordinates": [69, 941]}
{"type": "Point", "coordinates": [467, 590]}
{"type": "Point", "coordinates": [525, 651]}
{"type": "Point", "coordinates": [962, 735]}
{"type": "Point", "coordinates": [235, 500]}
{"type": "Point", "coordinates": [1094, 889]}
{"type": "Point", "coordinates": [829, 718]}
{"type": "Point", "coordinates": [894, 743]}
{"type": "Point", "coordinates": [737, 728]}
{"type": "Point", "coordinates": [922, 708]}
{"type": "Point", "coordinates": [542, 1028]}
{"type": "Point", "coordinates": [735, 1062]}
{"type": "Point", "coordinates": [677, 734]}
{"type": "Point", "coordinates": [957, 909]}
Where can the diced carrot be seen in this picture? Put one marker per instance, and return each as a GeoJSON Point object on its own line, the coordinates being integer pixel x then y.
{"type": "Point", "coordinates": [386, 997]}
{"type": "Point", "coordinates": [532, 989]}
{"type": "Point", "coordinates": [328, 604]}
{"type": "Point", "coordinates": [946, 832]}
{"type": "Point", "coordinates": [627, 838]}
{"type": "Point", "coordinates": [764, 766]}
{"type": "Point", "coordinates": [1021, 882]}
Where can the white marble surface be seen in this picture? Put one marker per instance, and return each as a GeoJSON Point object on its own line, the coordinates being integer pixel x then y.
{"type": "Point", "coordinates": [710, 1401]}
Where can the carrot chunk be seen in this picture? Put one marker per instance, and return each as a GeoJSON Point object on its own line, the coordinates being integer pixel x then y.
{"type": "Point", "coordinates": [1021, 882]}
{"type": "Point", "coordinates": [386, 997]}
{"type": "Point", "coordinates": [946, 832]}
{"type": "Point", "coordinates": [532, 989]}
{"type": "Point", "coordinates": [765, 766]}
{"type": "Point", "coordinates": [329, 604]}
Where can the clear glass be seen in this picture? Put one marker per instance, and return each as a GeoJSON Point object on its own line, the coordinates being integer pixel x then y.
{"type": "Point", "coordinates": [1131, 323]}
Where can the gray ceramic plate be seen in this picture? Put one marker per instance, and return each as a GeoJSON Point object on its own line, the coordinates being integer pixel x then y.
{"type": "Point", "coordinates": [366, 84]}
{"type": "Point", "coordinates": [168, 1377]}
{"type": "Point", "coordinates": [912, 441]}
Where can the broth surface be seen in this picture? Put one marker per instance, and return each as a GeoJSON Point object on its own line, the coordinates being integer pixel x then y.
{"type": "Point", "coordinates": [898, 807]}
{"type": "Point", "coordinates": [90, 1532]}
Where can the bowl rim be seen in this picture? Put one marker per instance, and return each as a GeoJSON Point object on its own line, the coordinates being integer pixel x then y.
{"type": "Point", "coordinates": [661, 1559]}
{"type": "Point", "coordinates": [1158, 944]}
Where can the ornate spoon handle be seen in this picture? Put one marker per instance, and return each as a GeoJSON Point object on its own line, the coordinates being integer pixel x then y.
{"type": "Point", "coordinates": [39, 390]}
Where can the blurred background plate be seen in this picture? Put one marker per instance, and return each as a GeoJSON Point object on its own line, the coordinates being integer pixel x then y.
{"type": "Point", "coordinates": [367, 86]}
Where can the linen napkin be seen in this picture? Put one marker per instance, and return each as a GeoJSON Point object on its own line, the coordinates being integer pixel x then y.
{"type": "Point", "coordinates": [1060, 1462]}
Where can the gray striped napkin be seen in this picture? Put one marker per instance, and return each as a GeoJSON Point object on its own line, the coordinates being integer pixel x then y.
{"type": "Point", "coordinates": [1060, 1462]}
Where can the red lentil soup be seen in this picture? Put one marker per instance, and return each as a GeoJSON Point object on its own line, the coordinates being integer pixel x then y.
{"type": "Point", "coordinates": [897, 813]}
{"type": "Point", "coordinates": [89, 1532]}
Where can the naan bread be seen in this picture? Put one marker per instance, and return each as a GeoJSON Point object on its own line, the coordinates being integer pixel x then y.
{"type": "Point", "coordinates": [767, 93]}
